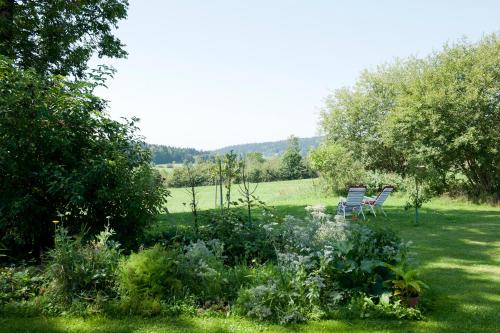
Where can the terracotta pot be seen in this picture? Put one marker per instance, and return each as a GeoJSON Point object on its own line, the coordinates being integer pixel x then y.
{"type": "Point", "coordinates": [411, 302]}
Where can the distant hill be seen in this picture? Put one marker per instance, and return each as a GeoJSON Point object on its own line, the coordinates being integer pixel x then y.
{"type": "Point", "coordinates": [163, 154]}
{"type": "Point", "coordinates": [270, 149]}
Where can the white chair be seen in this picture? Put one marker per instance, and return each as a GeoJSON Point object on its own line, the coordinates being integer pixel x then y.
{"type": "Point", "coordinates": [377, 202]}
{"type": "Point", "coordinates": [353, 203]}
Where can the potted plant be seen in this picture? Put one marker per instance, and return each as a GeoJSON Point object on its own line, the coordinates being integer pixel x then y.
{"type": "Point", "coordinates": [406, 284]}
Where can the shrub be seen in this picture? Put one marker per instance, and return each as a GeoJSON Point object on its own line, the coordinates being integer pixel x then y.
{"type": "Point", "coordinates": [243, 242]}
{"type": "Point", "coordinates": [19, 284]}
{"type": "Point", "coordinates": [289, 295]}
{"type": "Point", "coordinates": [151, 273]}
{"type": "Point", "coordinates": [166, 275]}
{"type": "Point", "coordinates": [337, 166]}
{"type": "Point", "coordinates": [81, 272]}
{"type": "Point", "coordinates": [61, 153]}
{"type": "Point", "coordinates": [322, 263]}
{"type": "Point", "coordinates": [200, 172]}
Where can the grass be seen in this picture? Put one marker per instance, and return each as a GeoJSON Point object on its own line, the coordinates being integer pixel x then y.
{"type": "Point", "coordinates": [457, 245]}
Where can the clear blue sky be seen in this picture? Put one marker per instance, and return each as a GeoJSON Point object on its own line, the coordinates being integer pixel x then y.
{"type": "Point", "coordinates": [211, 73]}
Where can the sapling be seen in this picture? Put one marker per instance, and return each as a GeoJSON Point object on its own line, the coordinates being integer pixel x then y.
{"type": "Point", "coordinates": [231, 168]}
{"type": "Point", "coordinates": [193, 204]}
{"type": "Point", "coordinates": [247, 191]}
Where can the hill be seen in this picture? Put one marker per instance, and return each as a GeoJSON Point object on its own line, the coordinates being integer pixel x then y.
{"type": "Point", "coordinates": [163, 154]}
{"type": "Point", "coordinates": [270, 149]}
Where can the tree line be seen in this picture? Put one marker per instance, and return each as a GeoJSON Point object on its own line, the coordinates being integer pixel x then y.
{"type": "Point", "coordinates": [291, 165]}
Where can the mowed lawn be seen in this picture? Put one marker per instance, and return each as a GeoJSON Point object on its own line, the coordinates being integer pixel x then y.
{"type": "Point", "coordinates": [457, 245]}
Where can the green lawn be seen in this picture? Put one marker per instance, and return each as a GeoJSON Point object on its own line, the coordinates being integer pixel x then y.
{"type": "Point", "coordinates": [457, 245]}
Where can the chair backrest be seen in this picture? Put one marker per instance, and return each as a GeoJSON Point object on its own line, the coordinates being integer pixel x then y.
{"type": "Point", "coordinates": [355, 196]}
{"type": "Point", "coordinates": [383, 195]}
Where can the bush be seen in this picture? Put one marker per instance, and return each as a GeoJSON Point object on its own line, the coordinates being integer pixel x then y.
{"type": "Point", "coordinates": [243, 242]}
{"type": "Point", "coordinates": [201, 173]}
{"type": "Point", "coordinates": [19, 284]}
{"type": "Point", "coordinates": [337, 166]}
{"type": "Point", "coordinates": [161, 274]}
{"type": "Point", "coordinates": [60, 153]}
{"type": "Point", "coordinates": [151, 273]}
{"type": "Point", "coordinates": [322, 263]}
{"type": "Point", "coordinates": [79, 272]}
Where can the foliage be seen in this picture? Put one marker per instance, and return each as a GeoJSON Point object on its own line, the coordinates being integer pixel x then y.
{"type": "Point", "coordinates": [201, 172]}
{"type": "Point", "coordinates": [165, 274]}
{"type": "Point", "coordinates": [292, 166]}
{"type": "Point", "coordinates": [321, 263]}
{"type": "Point", "coordinates": [243, 242]}
{"type": "Point", "coordinates": [60, 153]}
{"type": "Point", "coordinates": [152, 273]}
{"type": "Point", "coordinates": [338, 166]}
{"type": "Point", "coordinates": [60, 37]}
{"type": "Point", "coordinates": [81, 272]}
{"type": "Point", "coordinates": [231, 171]}
{"type": "Point", "coordinates": [192, 179]}
{"type": "Point", "coordinates": [405, 281]}
{"type": "Point", "coordinates": [162, 154]}
{"type": "Point", "coordinates": [439, 112]}
{"type": "Point", "coordinates": [381, 307]}
{"type": "Point", "coordinates": [19, 283]}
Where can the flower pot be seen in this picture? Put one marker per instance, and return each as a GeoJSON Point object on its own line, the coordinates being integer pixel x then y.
{"type": "Point", "coordinates": [411, 302]}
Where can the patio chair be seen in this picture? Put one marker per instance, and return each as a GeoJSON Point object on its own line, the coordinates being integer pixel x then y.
{"type": "Point", "coordinates": [377, 202]}
{"type": "Point", "coordinates": [353, 203]}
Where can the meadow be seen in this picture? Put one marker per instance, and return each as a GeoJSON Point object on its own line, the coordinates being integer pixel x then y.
{"type": "Point", "coordinates": [456, 245]}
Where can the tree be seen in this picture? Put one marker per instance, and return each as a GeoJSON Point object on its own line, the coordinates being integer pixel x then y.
{"type": "Point", "coordinates": [61, 155]}
{"type": "Point", "coordinates": [231, 170]}
{"type": "Point", "coordinates": [193, 194]}
{"type": "Point", "coordinates": [292, 166]}
{"type": "Point", "coordinates": [337, 166]}
{"type": "Point", "coordinates": [441, 112]}
{"type": "Point", "coordinates": [59, 36]}
{"type": "Point", "coordinates": [450, 116]}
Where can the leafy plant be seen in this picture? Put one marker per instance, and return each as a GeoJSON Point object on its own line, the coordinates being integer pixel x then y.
{"type": "Point", "coordinates": [81, 272]}
{"type": "Point", "coordinates": [405, 281]}
{"type": "Point", "coordinates": [20, 283]}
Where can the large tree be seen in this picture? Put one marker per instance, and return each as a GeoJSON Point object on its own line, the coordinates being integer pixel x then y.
{"type": "Point", "coordinates": [60, 36]}
{"type": "Point", "coordinates": [62, 158]}
{"type": "Point", "coordinates": [441, 112]}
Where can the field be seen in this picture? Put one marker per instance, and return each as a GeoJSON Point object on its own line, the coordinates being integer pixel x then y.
{"type": "Point", "coordinates": [457, 245]}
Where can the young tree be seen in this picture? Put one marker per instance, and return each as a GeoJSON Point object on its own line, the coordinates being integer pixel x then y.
{"type": "Point", "coordinates": [231, 169]}
{"type": "Point", "coordinates": [193, 204]}
{"type": "Point", "coordinates": [59, 36]}
{"type": "Point", "coordinates": [247, 191]}
{"type": "Point", "coordinates": [292, 166]}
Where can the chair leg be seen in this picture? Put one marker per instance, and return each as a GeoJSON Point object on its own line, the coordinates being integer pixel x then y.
{"type": "Point", "coordinates": [362, 213]}
{"type": "Point", "coordinates": [373, 210]}
{"type": "Point", "coordinates": [383, 211]}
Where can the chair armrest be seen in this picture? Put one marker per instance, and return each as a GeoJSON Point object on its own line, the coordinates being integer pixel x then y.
{"type": "Point", "coordinates": [369, 198]}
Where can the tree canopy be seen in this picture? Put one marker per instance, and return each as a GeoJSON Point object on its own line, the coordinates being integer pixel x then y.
{"type": "Point", "coordinates": [59, 36]}
{"type": "Point", "coordinates": [441, 113]}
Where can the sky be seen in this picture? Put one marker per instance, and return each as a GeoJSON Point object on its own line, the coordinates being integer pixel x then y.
{"type": "Point", "coordinates": [213, 73]}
